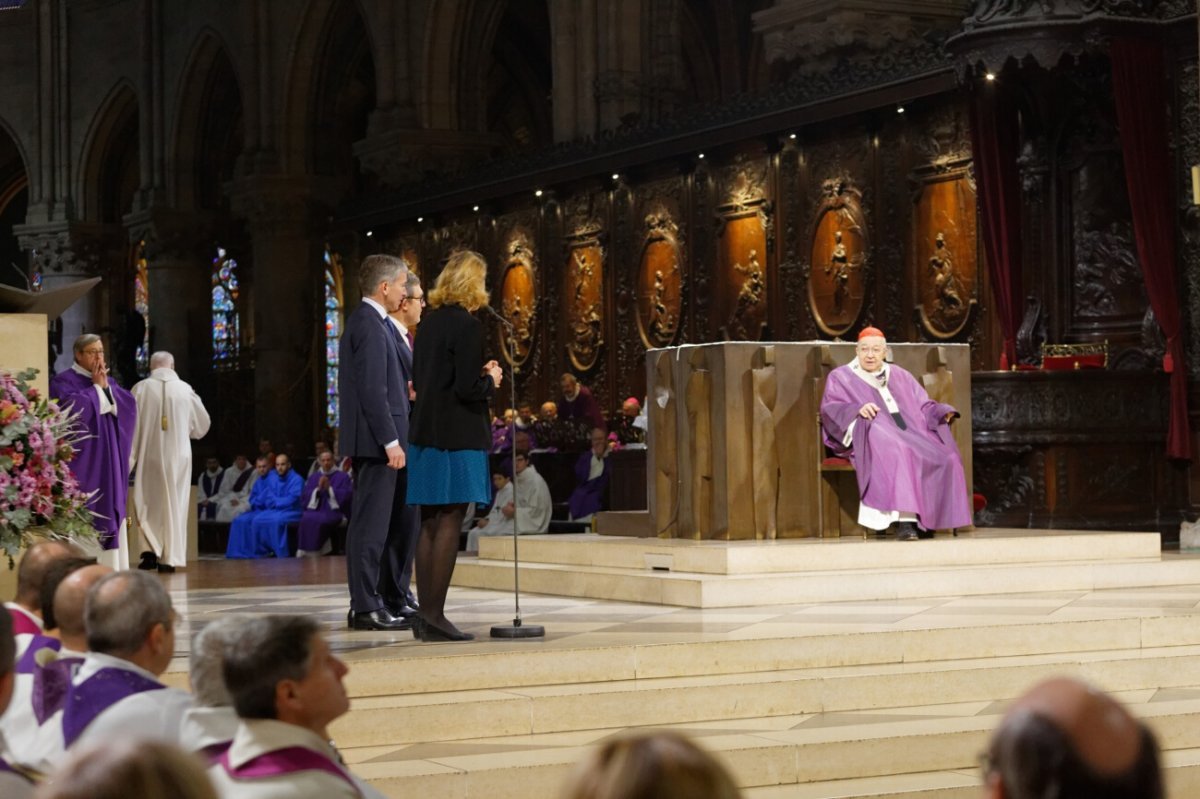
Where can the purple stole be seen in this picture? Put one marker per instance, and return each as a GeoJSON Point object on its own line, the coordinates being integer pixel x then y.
{"type": "Point", "coordinates": [97, 694]}
{"type": "Point", "coordinates": [289, 760]}
{"type": "Point", "coordinates": [51, 683]}
{"type": "Point", "coordinates": [28, 662]}
{"type": "Point", "coordinates": [22, 624]}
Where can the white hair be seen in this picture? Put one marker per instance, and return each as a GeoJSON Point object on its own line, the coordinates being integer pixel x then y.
{"type": "Point", "coordinates": [162, 360]}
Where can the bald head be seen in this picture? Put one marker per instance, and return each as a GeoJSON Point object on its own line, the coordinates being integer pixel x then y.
{"type": "Point", "coordinates": [1064, 731]}
{"type": "Point", "coordinates": [31, 574]}
{"type": "Point", "coordinates": [69, 601]}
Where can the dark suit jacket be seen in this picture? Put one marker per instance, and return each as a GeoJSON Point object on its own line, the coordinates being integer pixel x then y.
{"type": "Point", "coordinates": [372, 385]}
{"type": "Point", "coordinates": [451, 411]}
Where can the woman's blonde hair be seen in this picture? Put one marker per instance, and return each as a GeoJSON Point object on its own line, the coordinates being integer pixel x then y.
{"type": "Point", "coordinates": [461, 282]}
{"type": "Point", "coordinates": [119, 769]}
{"type": "Point", "coordinates": [655, 765]}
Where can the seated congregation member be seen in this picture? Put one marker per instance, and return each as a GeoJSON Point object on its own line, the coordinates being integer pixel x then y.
{"type": "Point", "coordinates": [318, 448]}
{"type": "Point", "coordinates": [578, 403]}
{"type": "Point", "coordinates": [287, 689]}
{"type": "Point", "coordinates": [274, 504]}
{"type": "Point", "coordinates": [14, 784]}
{"type": "Point", "coordinates": [1070, 740]}
{"type": "Point", "coordinates": [533, 505]}
{"type": "Point", "coordinates": [129, 769]}
{"type": "Point", "coordinates": [39, 744]}
{"type": "Point", "coordinates": [499, 520]}
{"type": "Point", "coordinates": [208, 489]}
{"type": "Point", "coordinates": [22, 720]}
{"type": "Point", "coordinates": [131, 640]}
{"type": "Point", "coordinates": [211, 721]}
{"type": "Point", "coordinates": [236, 487]}
{"type": "Point", "coordinates": [548, 413]}
{"type": "Point", "coordinates": [326, 497]}
{"type": "Point", "coordinates": [652, 764]}
{"type": "Point", "coordinates": [899, 440]}
{"type": "Point", "coordinates": [631, 424]}
{"type": "Point", "coordinates": [591, 479]}
{"type": "Point", "coordinates": [26, 607]}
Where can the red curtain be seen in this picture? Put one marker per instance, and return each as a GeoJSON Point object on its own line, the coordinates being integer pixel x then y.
{"type": "Point", "coordinates": [1140, 91]}
{"type": "Point", "coordinates": [994, 147]}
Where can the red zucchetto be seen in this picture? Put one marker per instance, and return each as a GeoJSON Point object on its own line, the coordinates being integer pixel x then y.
{"type": "Point", "coordinates": [871, 331]}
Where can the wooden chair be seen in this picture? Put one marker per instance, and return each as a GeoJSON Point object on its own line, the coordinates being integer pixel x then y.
{"type": "Point", "coordinates": [831, 486]}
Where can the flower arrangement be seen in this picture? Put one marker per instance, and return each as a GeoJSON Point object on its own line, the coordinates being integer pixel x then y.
{"type": "Point", "coordinates": [37, 488]}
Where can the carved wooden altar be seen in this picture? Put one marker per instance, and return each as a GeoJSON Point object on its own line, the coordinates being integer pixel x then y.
{"type": "Point", "coordinates": [733, 439]}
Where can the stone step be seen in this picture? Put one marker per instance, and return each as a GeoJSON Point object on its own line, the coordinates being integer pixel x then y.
{"type": "Point", "coordinates": [800, 758]}
{"type": "Point", "coordinates": [697, 590]}
{"type": "Point", "coordinates": [980, 547]}
{"type": "Point", "coordinates": [458, 715]}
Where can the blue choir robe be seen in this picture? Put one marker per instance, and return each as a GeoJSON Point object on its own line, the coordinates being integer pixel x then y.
{"type": "Point", "coordinates": [262, 531]}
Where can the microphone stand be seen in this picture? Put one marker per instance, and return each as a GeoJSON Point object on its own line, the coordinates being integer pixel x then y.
{"type": "Point", "coordinates": [517, 629]}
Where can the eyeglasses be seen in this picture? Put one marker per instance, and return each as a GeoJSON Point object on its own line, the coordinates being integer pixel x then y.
{"type": "Point", "coordinates": [420, 299]}
{"type": "Point", "coordinates": [93, 351]}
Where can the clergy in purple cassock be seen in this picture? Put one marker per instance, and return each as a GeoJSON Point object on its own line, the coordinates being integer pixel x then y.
{"type": "Point", "coordinates": [326, 498]}
{"type": "Point", "coordinates": [899, 440]}
{"type": "Point", "coordinates": [591, 479]}
{"type": "Point", "coordinates": [107, 418]}
{"type": "Point", "coordinates": [274, 504]}
{"type": "Point", "coordinates": [578, 403]}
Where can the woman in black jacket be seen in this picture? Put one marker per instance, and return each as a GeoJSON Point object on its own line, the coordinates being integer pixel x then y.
{"type": "Point", "coordinates": [449, 432]}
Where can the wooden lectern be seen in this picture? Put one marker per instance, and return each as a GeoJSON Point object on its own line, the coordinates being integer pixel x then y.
{"type": "Point", "coordinates": [734, 445]}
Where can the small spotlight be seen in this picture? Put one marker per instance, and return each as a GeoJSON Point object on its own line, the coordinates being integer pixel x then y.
{"type": "Point", "coordinates": [899, 109]}
{"type": "Point", "coordinates": [990, 76]}
{"type": "Point", "coordinates": [420, 219]}
{"type": "Point", "coordinates": [792, 136]}
{"type": "Point", "coordinates": [475, 208]}
{"type": "Point", "coordinates": [537, 193]}
{"type": "Point", "coordinates": [616, 176]}
{"type": "Point", "coordinates": [370, 233]}
{"type": "Point", "coordinates": [700, 155]}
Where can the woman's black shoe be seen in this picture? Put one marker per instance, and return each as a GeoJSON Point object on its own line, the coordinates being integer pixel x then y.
{"type": "Point", "coordinates": [431, 633]}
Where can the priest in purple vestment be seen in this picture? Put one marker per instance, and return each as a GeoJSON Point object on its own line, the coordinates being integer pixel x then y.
{"type": "Point", "coordinates": [578, 403]}
{"type": "Point", "coordinates": [591, 479]}
{"type": "Point", "coordinates": [326, 499]}
{"type": "Point", "coordinates": [899, 440]}
{"type": "Point", "coordinates": [107, 418]}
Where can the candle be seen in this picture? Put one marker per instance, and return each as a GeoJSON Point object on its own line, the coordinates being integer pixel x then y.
{"type": "Point", "coordinates": [1196, 185]}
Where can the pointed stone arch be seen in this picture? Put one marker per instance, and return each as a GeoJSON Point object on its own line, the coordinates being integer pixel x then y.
{"type": "Point", "coordinates": [458, 48]}
{"type": "Point", "coordinates": [209, 125]}
{"type": "Point", "coordinates": [331, 75]}
{"type": "Point", "coordinates": [14, 198]}
{"type": "Point", "coordinates": [109, 173]}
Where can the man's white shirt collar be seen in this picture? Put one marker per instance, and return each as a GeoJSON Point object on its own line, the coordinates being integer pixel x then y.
{"type": "Point", "coordinates": [379, 309]}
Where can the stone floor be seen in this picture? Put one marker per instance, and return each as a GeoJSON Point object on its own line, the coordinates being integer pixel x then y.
{"type": "Point", "coordinates": [813, 699]}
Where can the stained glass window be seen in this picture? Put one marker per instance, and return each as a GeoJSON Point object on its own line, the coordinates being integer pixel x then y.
{"type": "Point", "coordinates": [226, 327]}
{"type": "Point", "coordinates": [141, 304]}
{"type": "Point", "coordinates": [333, 333]}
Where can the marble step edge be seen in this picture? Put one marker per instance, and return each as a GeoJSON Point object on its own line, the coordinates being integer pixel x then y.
{"type": "Point", "coordinates": [455, 667]}
{"type": "Point", "coordinates": [758, 758]}
{"type": "Point", "coordinates": [792, 555]}
{"type": "Point", "coordinates": [710, 591]}
{"type": "Point", "coordinates": [473, 714]}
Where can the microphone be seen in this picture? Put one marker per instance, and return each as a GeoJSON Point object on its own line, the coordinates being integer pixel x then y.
{"type": "Point", "coordinates": [498, 316]}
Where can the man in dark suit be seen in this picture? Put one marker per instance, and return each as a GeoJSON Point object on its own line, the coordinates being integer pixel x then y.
{"type": "Point", "coordinates": [374, 433]}
{"type": "Point", "coordinates": [406, 320]}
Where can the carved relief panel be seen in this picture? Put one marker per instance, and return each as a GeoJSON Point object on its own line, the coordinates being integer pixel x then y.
{"type": "Point", "coordinates": [944, 249]}
{"type": "Point", "coordinates": [660, 283]}
{"type": "Point", "coordinates": [839, 247]}
{"type": "Point", "coordinates": [518, 297]}
{"type": "Point", "coordinates": [583, 293]}
{"type": "Point", "coordinates": [744, 220]}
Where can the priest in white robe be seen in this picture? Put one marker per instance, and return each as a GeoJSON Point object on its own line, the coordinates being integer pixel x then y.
{"type": "Point", "coordinates": [170, 414]}
{"type": "Point", "coordinates": [533, 504]}
{"type": "Point", "coordinates": [209, 488]}
{"type": "Point", "coordinates": [235, 488]}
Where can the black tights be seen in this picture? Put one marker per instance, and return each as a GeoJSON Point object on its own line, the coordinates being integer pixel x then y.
{"type": "Point", "coordinates": [437, 552]}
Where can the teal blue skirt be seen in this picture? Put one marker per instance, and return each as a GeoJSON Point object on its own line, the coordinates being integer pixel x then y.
{"type": "Point", "coordinates": [448, 477]}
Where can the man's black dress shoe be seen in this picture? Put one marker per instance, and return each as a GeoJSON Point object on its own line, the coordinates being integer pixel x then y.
{"type": "Point", "coordinates": [410, 599]}
{"type": "Point", "coordinates": [149, 562]}
{"type": "Point", "coordinates": [400, 611]}
{"type": "Point", "coordinates": [907, 531]}
{"type": "Point", "coordinates": [379, 619]}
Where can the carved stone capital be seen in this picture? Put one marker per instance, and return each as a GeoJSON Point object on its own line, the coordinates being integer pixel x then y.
{"type": "Point", "coordinates": [817, 34]}
{"type": "Point", "coordinates": [275, 205]}
{"type": "Point", "coordinates": [169, 235]}
{"type": "Point", "coordinates": [67, 248]}
{"type": "Point", "coordinates": [405, 156]}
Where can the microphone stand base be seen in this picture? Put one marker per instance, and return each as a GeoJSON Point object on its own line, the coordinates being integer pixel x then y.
{"type": "Point", "coordinates": [518, 630]}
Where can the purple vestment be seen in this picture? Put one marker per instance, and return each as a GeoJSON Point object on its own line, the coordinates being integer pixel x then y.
{"type": "Point", "coordinates": [588, 496]}
{"type": "Point", "coordinates": [918, 469]}
{"type": "Point", "coordinates": [28, 662]}
{"type": "Point", "coordinates": [101, 462]}
{"type": "Point", "coordinates": [51, 683]}
{"type": "Point", "coordinates": [316, 524]}
{"type": "Point", "coordinates": [584, 406]}
{"type": "Point", "coordinates": [97, 694]}
{"type": "Point", "coordinates": [288, 760]}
